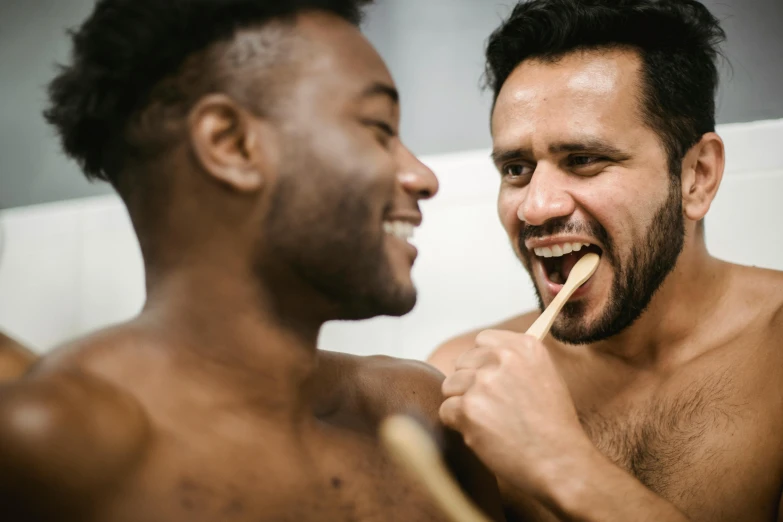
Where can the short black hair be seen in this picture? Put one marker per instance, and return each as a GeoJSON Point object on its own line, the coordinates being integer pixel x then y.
{"type": "Point", "coordinates": [127, 47]}
{"type": "Point", "coordinates": [677, 41]}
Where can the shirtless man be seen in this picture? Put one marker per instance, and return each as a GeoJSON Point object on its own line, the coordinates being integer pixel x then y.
{"type": "Point", "coordinates": [255, 146]}
{"type": "Point", "coordinates": [658, 395]}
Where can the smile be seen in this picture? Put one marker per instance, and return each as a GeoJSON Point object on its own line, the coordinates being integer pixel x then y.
{"type": "Point", "coordinates": [558, 258]}
{"type": "Point", "coordinates": [399, 229]}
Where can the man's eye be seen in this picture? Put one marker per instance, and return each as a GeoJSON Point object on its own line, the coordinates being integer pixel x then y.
{"type": "Point", "coordinates": [515, 170]}
{"type": "Point", "coordinates": [382, 126]}
{"type": "Point", "coordinates": [386, 128]}
{"type": "Point", "coordinates": [583, 161]}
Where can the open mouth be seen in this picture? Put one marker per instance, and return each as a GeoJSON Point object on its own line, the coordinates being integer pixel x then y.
{"type": "Point", "coordinates": [558, 260]}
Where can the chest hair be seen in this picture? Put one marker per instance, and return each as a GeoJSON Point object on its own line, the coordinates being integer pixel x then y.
{"type": "Point", "coordinates": [672, 443]}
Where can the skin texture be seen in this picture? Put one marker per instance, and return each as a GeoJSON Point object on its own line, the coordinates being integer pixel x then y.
{"type": "Point", "coordinates": [214, 403]}
{"type": "Point", "coordinates": [677, 416]}
{"type": "Point", "coordinates": [15, 358]}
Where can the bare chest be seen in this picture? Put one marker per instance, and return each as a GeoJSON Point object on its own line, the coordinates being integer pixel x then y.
{"type": "Point", "coordinates": [347, 479]}
{"type": "Point", "coordinates": [670, 443]}
{"type": "Point", "coordinates": [703, 446]}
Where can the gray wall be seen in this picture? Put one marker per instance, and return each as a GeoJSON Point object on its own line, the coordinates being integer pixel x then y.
{"type": "Point", "coordinates": [433, 48]}
{"type": "Point", "coordinates": [32, 39]}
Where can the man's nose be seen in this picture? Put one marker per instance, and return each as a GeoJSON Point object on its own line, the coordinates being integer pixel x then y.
{"type": "Point", "coordinates": [416, 178]}
{"type": "Point", "coordinates": [545, 197]}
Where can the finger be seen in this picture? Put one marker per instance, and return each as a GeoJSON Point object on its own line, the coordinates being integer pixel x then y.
{"type": "Point", "coordinates": [451, 412]}
{"type": "Point", "coordinates": [489, 338]}
{"type": "Point", "coordinates": [458, 383]}
{"type": "Point", "coordinates": [475, 358]}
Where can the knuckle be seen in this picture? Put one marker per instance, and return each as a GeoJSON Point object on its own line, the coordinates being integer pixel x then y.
{"type": "Point", "coordinates": [484, 337]}
{"type": "Point", "coordinates": [484, 380]}
{"type": "Point", "coordinates": [507, 354]}
{"type": "Point", "coordinates": [471, 407]}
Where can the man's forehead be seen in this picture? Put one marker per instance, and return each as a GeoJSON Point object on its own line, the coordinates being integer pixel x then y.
{"type": "Point", "coordinates": [340, 44]}
{"type": "Point", "coordinates": [584, 85]}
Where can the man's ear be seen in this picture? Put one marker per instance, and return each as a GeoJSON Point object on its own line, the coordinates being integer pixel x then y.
{"type": "Point", "coordinates": [702, 172]}
{"type": "Point", "coordinates": [227, 142]}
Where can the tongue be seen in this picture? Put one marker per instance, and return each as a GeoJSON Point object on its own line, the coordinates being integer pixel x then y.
{"type": "Point", "coordinates": [569, 260]}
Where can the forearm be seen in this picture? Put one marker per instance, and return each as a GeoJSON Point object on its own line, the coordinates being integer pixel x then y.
{"type": "Point", "coordinates": [591, 489]}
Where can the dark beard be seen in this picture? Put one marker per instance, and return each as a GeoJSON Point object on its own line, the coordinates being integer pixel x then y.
{"type": "Point", "coordinates": [336, 251]}
{"type": "Point", "coordinates": [636, 280]}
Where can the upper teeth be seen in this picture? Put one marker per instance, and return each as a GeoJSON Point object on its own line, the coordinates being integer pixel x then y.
{"type": "Point", "coordinates": [400, 229]}
{"type": "Point", "coordinates": [559, 250]}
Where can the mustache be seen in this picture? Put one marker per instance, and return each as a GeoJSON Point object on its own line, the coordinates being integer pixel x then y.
{"type": "Point", "coordinates": [566, 226]}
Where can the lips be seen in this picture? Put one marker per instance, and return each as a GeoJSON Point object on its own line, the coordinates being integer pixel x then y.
{"type": "Point", "coordinates": [552, 259]}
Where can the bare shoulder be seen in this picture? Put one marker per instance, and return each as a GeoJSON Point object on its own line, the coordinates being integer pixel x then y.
{"type": "Point", "coordinates": [388, 385]}
{"type": "Point", "coordinates": [15, 358]}
{"type": "Point", "coordinates": [776, 322]}
{"type": "Point", "coordinates": [761, 295]}
{"type": "Point", "coordinates": [446, 354]}
{"type": "Point", "coordinates": [66, 430]}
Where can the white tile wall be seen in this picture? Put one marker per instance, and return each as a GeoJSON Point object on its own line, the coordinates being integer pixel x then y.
{"type": "Point", "coordinates": [69, 268]}
{"type": "Point", "coordinates": [112, 269]}
{"type": "Point", "coordinates": [744, 223]}
{"type": "Point", "coordinates": [40, 274]}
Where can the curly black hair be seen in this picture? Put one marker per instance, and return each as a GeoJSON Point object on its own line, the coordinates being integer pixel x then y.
{"type": "Point", "coordinates": [126, 48]}
{"type": "Point", "coordinates": [677, 41]}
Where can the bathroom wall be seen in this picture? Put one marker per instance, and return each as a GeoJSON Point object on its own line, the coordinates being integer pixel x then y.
{"type": "Point", "coordinates": [70, 267]}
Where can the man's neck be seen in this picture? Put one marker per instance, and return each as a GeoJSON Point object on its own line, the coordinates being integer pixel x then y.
{"type": "Point", "coordinates": [662, 336]}
{"type": "Point", "coordinates": [226, 331]}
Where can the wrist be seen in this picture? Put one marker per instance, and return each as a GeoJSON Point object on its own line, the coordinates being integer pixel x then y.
{"type": "Point", "coordinates": [568, 482]}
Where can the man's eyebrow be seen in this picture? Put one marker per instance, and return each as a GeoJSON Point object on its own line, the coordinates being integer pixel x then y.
{"type": "Point", "coordinates": [504, 155]}
{"type": "Point", "coordinates": [587, 145]}
{"type": "Point", "coordinates": [595, 146]}
{"type": "Point", "coordinates": [381, 89]}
